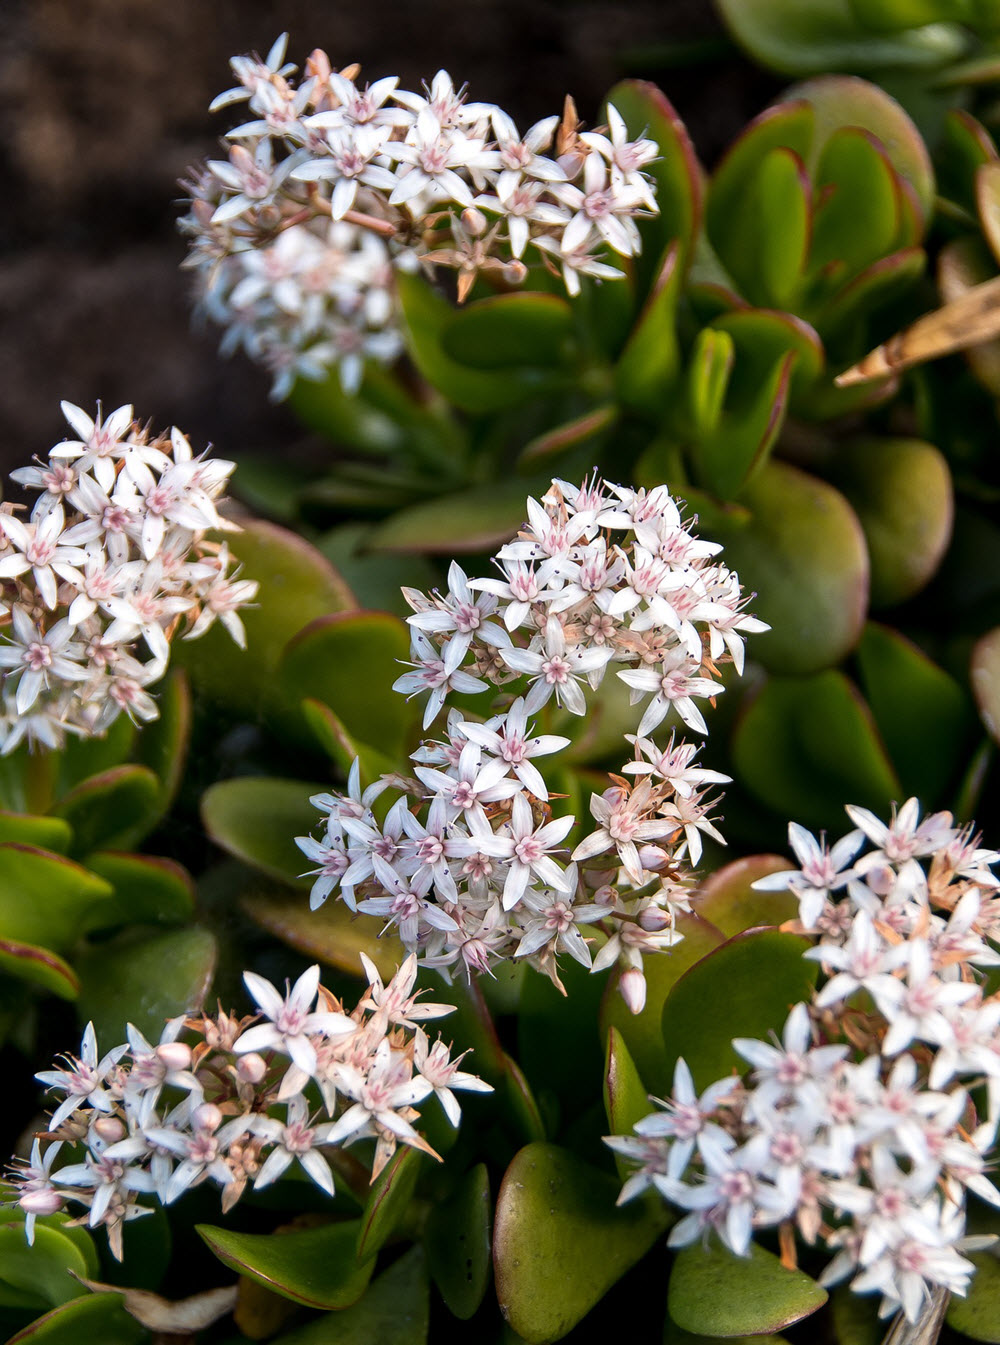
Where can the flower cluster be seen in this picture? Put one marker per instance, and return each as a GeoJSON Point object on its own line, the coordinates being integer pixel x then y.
{"type": "Point", "coordinates": [869, 1121]}
{"type": "Point", "coordinates": [468, 864]}
{"type": "Point", "coordinates": [331, 185]}
{"type": "Point", "coordinates": [241, 1102]}
{"type": "Point", "coordinates": [97, 579]}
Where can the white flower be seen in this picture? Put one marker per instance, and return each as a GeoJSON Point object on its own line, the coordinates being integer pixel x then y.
{"type": "Point", "coordinates": [292, 1020]}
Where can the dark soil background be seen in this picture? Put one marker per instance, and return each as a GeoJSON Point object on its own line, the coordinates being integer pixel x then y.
{"type": "Point", "coordinates": [103, 107]}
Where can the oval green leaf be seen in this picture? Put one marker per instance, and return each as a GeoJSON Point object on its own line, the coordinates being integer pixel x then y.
{"type": "Point", "coordinates": [472, 520]}
{"type": "Point", "coordinates": [145, 979]}
{"type": "Point", "coordinates": [648, 366]}
{"type": "Point", "coordinates": [726, 898]}
{"type": "Point", "coordinates": [716, 1293]}
{"type": "Point", "coordinates": [39, 966]}
{"type": "Point", "coordinates": [112, 811]}
{"type": "Point", "coordinates": [42, 1270]}
{"type": "Point", "coordinates": [44, 833]}
{"type": "Point", "coordinates": [163, 744]}
{"type": "Point", "coordinates": [458, 1245]}
{"type": "Point", "coordinates": [148, 889]}
{"type": "Point", "coordinates": [394, 1311]}
{"type": "Point", "coordinates": [332, 935]}
{"type": "Point", "coordinates": [978, 1314]}
{"type": "Point", "coordinates": [509, 331]}
{"type": "Point", "coordinates": [315, 1266]}
{"type": "Point", "coordinates": [97, 1317]}
{"type": "Point", "coordinates": [46, 899]}
{"type": "Point", "coordinates": [626, 1099]}
{"type": "Point", "coordinates": [388, 1199]}
{"type": "Point", "coordinates": [256, 818]}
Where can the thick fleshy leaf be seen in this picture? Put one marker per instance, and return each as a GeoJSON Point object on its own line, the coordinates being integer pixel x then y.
{"type": "Point", "coordinates": [163, 744]}
{"type": "Point", "coordinates": [804, 745]}
{"type": "Point", "coordinates": [83, 757]}
{"type": "Point", "coordinates": [648, 366]}
{"type": "Point", "coordinates": [331, 735]}
{"type": "Point", "coordinates": [97, 1317]}
{"type": "Point", "coordinates": [552, 443]}
{"type": "Point", "coordinates": [388, 1199]}
{"type": "Point", "coordinates": [394, 1311]}
{"type": "Point", "coordinates": [510, 331]}
{"type": "Point", "coordinates": [516, 1098]}
{"type": "Point", "coordinates": [458, 1244]}
{"type": "Point", "coordinates": [45, 833]}
{"type": "Point", "coordinates": [768, 258]}
{"type": "Point", "coordinates": [558, 1045]}
{"type": "Point", "coordinates": [708, 374]}
{"type": "Point", "coordinates": [648, 114]}
{"type": "Point", "coordinates": [145, 979]}
{"type": "Point", "coordinates": [803, 553]}
{"type": "Point", "coordinates": [854, 1318]}
{"type": "Point", "coordinates": [728, 458]}
{"type": "Point", "coordinates": [375, 579]}
{"type": "Point", "coordinates": [880, 284]}
{"type": "Point", "coordinates": [965, 146]}
{"type": "Point", "coordinates": [743, 988]}
{"type": "Point", "coordinates": [726, 898]}
{"type": "Point", "coordinates": [903, 688]}
{"type": "Point", "coordinates": [297, 584]}
{"type": "Point", "coordinates": [473, 520]}
{"type": "Point", "coordinates": [256, 818]}
{"type": "Point", "coordinates": [858, 212]}
{"type": "Point", "coordinates": [81, 1238]}
{"type": "Point", "coordinates": [350, 660]}
{"type": "Point", "coordinates": [332, 934]}
{"type": "Point", "coordinates": [46, 899]}
{"type": "Point", "coordinates": [560, 1242]}
{"type": "Point", "coordinates": [762, 338]}
{"type": "Point", "coordinates": [38, 966]}
{"type": "Point", "coordinates": [901, 491]}
{"type": "Point", "coordinates": [626, 1099]}
{"type": "Point", "coordinates": [148, 888]}
{"type": "Point", "coordinates": [984, 674]}
{"type": "Point", "coordinates": [315, 1266]}
{"type": "Point", "coordinates": [111, 811]}
{"type": "Point", "coordinates": [718, 1294]}
{"type": "Point", "coordinates": [41, 1273]}
{"type": "Point", "coordinates": [641, 1032]}
{"type": "Point", "coordinates": [978, 1314]}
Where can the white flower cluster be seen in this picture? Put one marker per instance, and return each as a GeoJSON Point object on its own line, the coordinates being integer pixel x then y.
{"type": "Point", "coordinates": [240, 1104]}
{"type": "Point", "coordinates": [97, 579]}
{"type": "Point", "coordinates": [869, 1122]}
{"type": "Point", "coordinates": [469, 865]}
{"type": "Point", "coordinates": [330, 186]}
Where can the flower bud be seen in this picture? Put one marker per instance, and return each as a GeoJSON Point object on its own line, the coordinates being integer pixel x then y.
{"type": "Point", "coordinates": [174, 1055]}
{"type": "Point", "coordinates": [632, 988]}
{"type": "Point", "coordinates": [206, 1117]}
{"type": "Point", "coordinates": [515, 272]}
{"type": "Point", "coordinates": [653, 858]}
{"type": "Point", "coordinates": [45, 1201]}
{"type": "Point", "coordinates": [109, 1128]}
{"type": "Point", "coordinates": [251, 1068]}
{"type": "Point", "coordinates": [474, 222]}
{"type": "Point", "coordinates": [654, 920]}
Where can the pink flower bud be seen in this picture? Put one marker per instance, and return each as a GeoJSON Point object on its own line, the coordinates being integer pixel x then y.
{"type": "Point", "coordinates": [474, 222]}
{"type": "Point", "coordinates": [109, 1129]}
{"type": "Point", "coordinates": [45, 1201]}
{"type": "Point", "coordinates": [614, 795]}
{"type": "Point", "coordinates": [653, 858]}
{"type": "Point", "coordinates": [632, 988]}
{"type": "Point", "coordinates": [206, 1117]}
{"type": "Point", "coordinates": [654, 920]}
{"type": "Point", "coordinates": [515, 272]}
{"type": "Point", "coordinates": [251, 1068]}
{"type": "Point", "coordinates": [174, 1055]}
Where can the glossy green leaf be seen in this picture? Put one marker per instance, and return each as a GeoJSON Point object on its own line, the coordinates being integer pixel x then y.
{"type": "Point", "coordinates": [331, 735]}
{"type": "Point", "coordinates": [880, 284]}
{"type": "Point", "coordinates": [475, 520]}
{"type": "Point", "coordinates": [854, 1318]}
{"type": "Point", "coordinates": [145, 979]}
{"type": "Point", "coordinates": [641, 1032]}
{"type": "Point", "coordinates": [726, 898]}
{"type": "Point", "coordinates": [708, 376]}
{"type": "Point", "coordinates": [163, 744]}
{"type": "Point", "coordinates": [41, 1271]}
{"type": "Point", "coordinates": [46, 899]}
{"type": "Point", "coordinates": [388, 1199]}
{"type": "Point", "coordinates": [314, 1266]}
{"type": "Point", "coordinates": [256, 819]}
{"type": "Point", "coordinates": [458, 1244]}
{"type": "Point", "coordinates": [332, 934]}
{"type": "Point", "coordinates": [394, 1311]}
{"type": "Point", "coordinates": [761, 339]}
{"type": "Point", "coordinates": [45, 833]}
{"type": "Point", "coordinates": [83, 757]}
{"type": "Point", "coordinates": [966, 144]}
{"type": "Point", "coordinates": [770, 260]}
{"type": "Point", "coordinates": [350, 660]}
{"type": "Point", "coordinates": [858, 204]}
{"type": "Point", "coordinates": [736, 450]}
{"type": "Point", "coordinates": [111, 811]}
{"type": "Point", "coordinates": [38, 966]}
{"type": "Point", "coordinates": [718, 1294]}
{"type": "Point", "coordinates": [375, 579]}
{"type": "Point", "coordinates": [751, 983]}
{"type": "Point", "coordinates": [559, 1241]}
{"type": "Point", "coordinates": [297, 584]}
{"type": "Point", "coordinates": [890, 15]}
{"type": "Point", "coordinates": [804, 746]}
{"type": "Point", "coordinates": [428, 317]}
{"type": "Point", "coordinates": [903, 688]}
{"type": "Point", "coordinates": [902, 493]}
{"type": "Point", "coordinates": [626, 1099]}
{"type": "Point", "coordinates": [984, 674]}
{"type": "Point", "coordinates": [544, 447]}
{"type": "Point", "coordinates": [648, 114]}
{"type": "Point", "coordinates": [796, 39]}
{"type": "Point", "coordinates": [978, 1314]}
{"type": "Point", "coordinates": [648, 366]}
{"type": "Point", "coordinates": [803, 553]}
{"type": "Point", "coordinates": [81, 1238]}
{"type": "Point", "coordinates": [509, 331]}
{"type": "Point", "coordinates": [96, 1317]}
{"type": "Point", "coordinates": [515, 1097]}
{"type": "Point", "coordinates": [148, 888]}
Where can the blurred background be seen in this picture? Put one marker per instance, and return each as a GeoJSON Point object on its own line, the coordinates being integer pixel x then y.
{"type": "Point", "coordinates": [103, 107]}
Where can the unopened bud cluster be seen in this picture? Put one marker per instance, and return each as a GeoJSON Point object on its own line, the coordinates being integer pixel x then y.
{"type": "Point", "coordinates": [867, 1124]}
{"type": "Point", "coordinates": [469, 865]}
{"type": "Point", "coordinates": [239, 1101]}
{"type": "Point", "coordinates": [112, 559]}
{"type": "Point", "coordinates": [330, 186]}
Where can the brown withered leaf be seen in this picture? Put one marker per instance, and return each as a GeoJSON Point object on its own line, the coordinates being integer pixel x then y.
{"type": "Point", "coordinates": [180, 1317]}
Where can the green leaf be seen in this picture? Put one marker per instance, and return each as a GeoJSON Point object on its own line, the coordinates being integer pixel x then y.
{"type": "Point", "coordinates": [82, 757]}
{"type": "Point", "coordinates": [751, 981]}
{"type": "Point", "coordinates": [509, 331]}
{"type": "Point", "coordinates": [374, 579]}
{"type": "Point", "coordinates": [626, 1099]}
{"type": "Point", "coordinates": [333, 738]}
{"type": "Point", "coordinates": [642, 1032]}
{"type": "Point", "coordinates": [729, 457]}
{"type": "Point", "coordinates": [163, 744]}
{"type": "Point", "coordinates": [804, 746]}
{"type": "Point", "coordinates": [315, 1266]}
{"type": "Point", "coordinates": [81, 1238]}
{"type": "Point", "coordinates": [98, 1317]}
{"type": "Point", "coordinates": [858, 211]}
{"type": "Point", "coordinates": [560, 1243]}
{"type": "Point", "coordinates": [718, 1294]}
{"type": "Point", "coordinates": [647, 370]}
{"type": "Point", "coordinates": [42, 1271]}
{"type": "Point", "coordinates": [514, 1096]}
{"type": "Point", "coordinates": [38, 966]}
{"type": "Point", "coordinates": [144, 979]}
{"type": "Point", "coordinates": [591, 425]}
{"type": "Point", "coordinates": [388, 1200]}
{"type": "Point", "coordinates": [761, 339]}
{"type": "Point", "coordinates": [349, 661]}
{"type": "Point", "coordinates": [148, 889]}
{"type": "Point", "coordinates": [332, 934]}
{"type": "Point", "coordinates": [676, 172]}
{"type": "Point", "coordinates": [978, 1314]}
{"type": "Point", "coordinates": [965, 146]}
{"type": "Point", "coordinates": [903, 688]}
{"type": "Point", "coordinates": [394, 1311]}
{"type": "Point", "coordinates": [45, 899]}
{"type": "Point", "coordinates": [256, 819]}
{"type": "Point", "coordinates": [111, 811]}
{"type": "Point", "coordinates": [708, 376]}
{"type": "Point", "coordinates": [984, 674]}
{"type": "Point", "coordinates": [880, 284]}
{"type": "Point", "coordinates": [803, 553]}
{"type": "Point", "coordinates": [768, 259]}
{"type": "Point", "coordinates": [297, 584]}
{"type": "Point", "coordinates": [44, 833]}
{"type": "Point", "coordinates": [726, 898]}
{"type": "Point", "coordinates": [558, 1045]}
{"type": "Point", "coordinates": [473, 520]}
{"type": "Point", "coordinates": [457, 1243]}
{"type": "Point", "coordinates": [902, 493]}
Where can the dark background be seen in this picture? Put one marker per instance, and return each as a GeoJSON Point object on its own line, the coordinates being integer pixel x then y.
{"type": "Point", "coordinates": [103, 106]}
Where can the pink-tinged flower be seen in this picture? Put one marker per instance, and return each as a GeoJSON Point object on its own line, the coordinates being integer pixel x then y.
{"type": "Point", "coordinates": [554, 669]}
{"type": "Point", "coordinates": [395, 1003]}
{"type": "Point", "coordinates": [864, 962]}
{"type": "Point", "coordinates": [822, 872]}
{"type": "Point", "coordinates": [549, 922]}
{"type": "Point", "coordinates": [506, 737]}
{"type": "Point", "coordinates": [730, 1196]}
{"type": "Point", "coordinates": [675, 684]}
{"type": "Point", "coordinates": [433, 673]}
{"type": "Point", "coordinates": [39, 657]}
{"type": "Point", "coordinates": [85, 1080]}
{"type": "Point", "coordinates": [435, 1066]}
{"type": "Point", "coordinates": [687, 1118]}
{"type": "Point", "coordinates": [380, 1093]}
{"type": "Point", "coordinates": [526, 851]}
{"type": "Point", "coordinates": [619, 816]}
{"type": "Point", "coordinates": [294, 1140]}
{"type": "Point", "coordinates": [292, 1020]}
{"type": "Point", "coordinates": [794, 1072]}
{"type": "Point", "coordinates": [40, 547]}
{"type": "Point", "coordinates": [905, 837]}
{"type": "Point", "coordinates": [33, 1182]}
